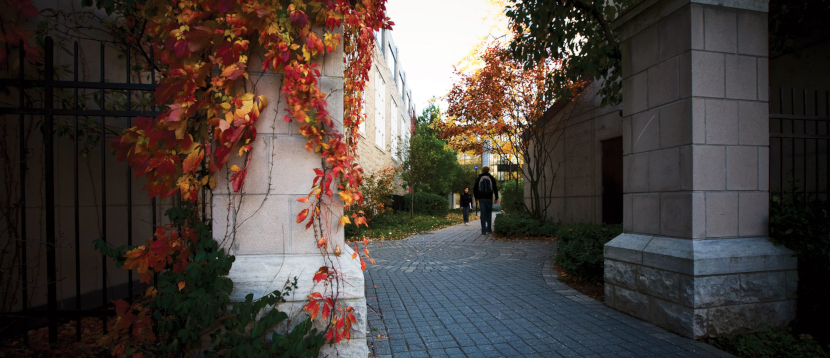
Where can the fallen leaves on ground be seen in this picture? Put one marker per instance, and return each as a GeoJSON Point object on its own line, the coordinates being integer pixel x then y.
{"type": "Point", "coordinates": [590, 289]}
{"type": "Point", "coordinates": [91, 344]}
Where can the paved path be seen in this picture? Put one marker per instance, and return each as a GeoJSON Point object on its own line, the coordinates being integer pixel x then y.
{"type": "Point", "coordinates": [455, 293]}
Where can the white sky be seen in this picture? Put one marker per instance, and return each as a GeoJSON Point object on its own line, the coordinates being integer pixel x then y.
{"type": "Point", "coordinates": [434, 35]}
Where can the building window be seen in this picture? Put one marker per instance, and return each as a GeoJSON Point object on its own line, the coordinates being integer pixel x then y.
{"type": "Point", "coordinates": [394, 123]}
{"type": "Point", "coordinates": [380, 111]}
{"type": "Point", "coordinates": [390, 57]}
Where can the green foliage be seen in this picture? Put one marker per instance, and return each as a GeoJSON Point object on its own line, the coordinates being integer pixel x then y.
{"type": "Point", "coordinates": [797, 24]}
{"type": "Point", "coordinates": [576, 32]}
{"type": "Point", "coordinates": [193, 304]}
{"type": "Point", "coordinates": [803, 226]}
{"type": "Point", "coordinates": [520, 224]}
{"type": "Point", "coordinates": [770, 344]}
{"type": "Point", "coordinates": [429, 165]}
{"type": "Point", "coordinates": [392, 226]}
{"type": "Point", "coordinates": [580, 249]}
{"type": "Point", "coordinates": [465, 177]}
{"type": "Point", "coordinates": [428, 204]}
{"type": "Point", "coordinates": [512, 196]}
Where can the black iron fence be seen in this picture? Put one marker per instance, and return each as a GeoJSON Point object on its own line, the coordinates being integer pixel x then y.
{"type": "Point", "coordinates": [69, 113]}
{"type": "Point", "coordinates": [799, 126]}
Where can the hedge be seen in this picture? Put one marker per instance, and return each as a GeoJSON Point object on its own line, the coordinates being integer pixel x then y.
{"type": "Point", "coordinates": [429, 204]}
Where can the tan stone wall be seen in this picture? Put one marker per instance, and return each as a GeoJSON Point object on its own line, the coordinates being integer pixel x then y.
{"type": "Point", "coordinates": [576, 195]}
{"type": "Point", "coordinates": [374, 157]}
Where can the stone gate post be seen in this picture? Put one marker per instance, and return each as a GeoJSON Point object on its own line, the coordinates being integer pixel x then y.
{"type": "Point", "coordinates": [259, 225]}
{"type": "Point", "coordinates": [694, 256]}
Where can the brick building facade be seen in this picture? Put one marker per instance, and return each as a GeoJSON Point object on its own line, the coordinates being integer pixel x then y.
{"type": "Point", "coordinates": [388, 107]}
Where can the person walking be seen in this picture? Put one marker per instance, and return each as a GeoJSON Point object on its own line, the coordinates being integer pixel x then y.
{"type": "Point", "coordinates": [485, 190]}
{"type": "Point", "coordinates": [466, 204]}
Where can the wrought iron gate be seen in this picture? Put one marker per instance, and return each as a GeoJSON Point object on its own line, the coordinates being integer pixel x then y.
{"type": "Point", "coordinates": [799, 130]}
{"type": "Point", "coordinates": [27, 316]}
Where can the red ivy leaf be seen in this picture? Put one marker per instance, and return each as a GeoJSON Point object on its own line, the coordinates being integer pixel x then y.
{"type": "Point", "coordinates": [303, 214]}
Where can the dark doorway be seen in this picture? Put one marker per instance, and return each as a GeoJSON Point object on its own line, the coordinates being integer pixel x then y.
{"type": "Point", "coordinates": [612, 181]}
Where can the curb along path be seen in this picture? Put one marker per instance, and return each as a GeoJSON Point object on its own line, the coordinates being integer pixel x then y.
{"type": "Point", "coordinates": [455, 293]}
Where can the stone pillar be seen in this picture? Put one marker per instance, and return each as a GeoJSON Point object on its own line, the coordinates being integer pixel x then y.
{"type": "Point", "coordinates": [270, 246]}
{"type": "Point", "coordinates": [695, 257]}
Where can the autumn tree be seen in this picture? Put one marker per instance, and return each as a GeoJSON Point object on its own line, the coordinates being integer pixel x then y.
{"type": "Point", "coordinates": [575, 32]}
{"type": "Point", "coordinates": [501, 107]}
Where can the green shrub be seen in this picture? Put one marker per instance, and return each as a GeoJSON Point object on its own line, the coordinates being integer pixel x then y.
{"type": "Point", "coordinates": [429, 204]}
{"type": "Point", "coordinates": [512, 198]}
{"type": "Point", "coordinates": [803, 225]}
{"type": "Point", "coordinates": [770, 344]}
{"type": "Point", "coordinates": [393, 226]}
{"type": "Point", "coordinates": [580, 249]}
{"type": "Point", "coordinates": [522, 225]}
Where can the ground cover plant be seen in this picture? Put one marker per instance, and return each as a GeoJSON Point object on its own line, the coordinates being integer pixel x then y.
{"type": "Point", "coordinates": [189, 301]}
{"type": "Point", "coordinates": [580, 249]}
{"type": "Point", "coordinates": [802, 224]}
{"type": "Point", "coordinates": [399, 225]}
{"type": "Point", "coordinates": [773, 343]}
{"type": "Point", "coordinates": [522, 225]}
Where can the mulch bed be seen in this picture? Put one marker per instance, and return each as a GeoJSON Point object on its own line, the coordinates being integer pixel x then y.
{"type": "Point", "coordinates": [523, 238]}
{"type": "Point", "coordinates": [92, 344]}
{"type": "Point", "coordinates": [590, 289]}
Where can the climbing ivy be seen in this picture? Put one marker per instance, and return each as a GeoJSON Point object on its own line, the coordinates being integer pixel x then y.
{"type": "Point", "coordinates": [189, 303]}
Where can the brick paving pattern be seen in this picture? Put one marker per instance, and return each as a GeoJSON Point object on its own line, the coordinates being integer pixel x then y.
{"type": "Point", "coordinates": [456, 293]}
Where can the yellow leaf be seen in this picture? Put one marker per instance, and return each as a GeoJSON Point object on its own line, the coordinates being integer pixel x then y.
{"type": "Point", "coordinates": [346, 197]}
{"type": "Point", "coordinates": [226, 105]}
{"type": "Point", "coordinates": [181, 285]}
{"type": "Point", "coordinates": [235, 168]}
{"type": "Point", "coordinates": [345, 220]}
{"type": "Point", "coordinates": [212, 183]}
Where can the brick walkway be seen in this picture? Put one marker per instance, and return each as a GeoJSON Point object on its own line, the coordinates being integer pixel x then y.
{"type": "Point", "coordinates": [455, 293]}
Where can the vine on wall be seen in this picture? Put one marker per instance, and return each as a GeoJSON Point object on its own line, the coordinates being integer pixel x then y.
{"type": "Point", "coordinates": [201, 49]}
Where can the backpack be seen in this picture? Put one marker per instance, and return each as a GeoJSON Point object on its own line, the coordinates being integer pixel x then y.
{"type": "Point", "coordinates": [485, 186]}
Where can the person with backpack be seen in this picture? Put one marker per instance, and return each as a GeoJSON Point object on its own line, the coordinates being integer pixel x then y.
{"type": "Point", "coordinates": [485, 190]}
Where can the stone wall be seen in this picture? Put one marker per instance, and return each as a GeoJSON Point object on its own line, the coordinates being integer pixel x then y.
{"type": "Point", "coordinates": [259, 224]}
{"type": "Point", "coordinates": [576, 195]}
{"type": "Point", "coordinates": [694, 257]}
{"type": "Point", "coordinates": [374, 157]}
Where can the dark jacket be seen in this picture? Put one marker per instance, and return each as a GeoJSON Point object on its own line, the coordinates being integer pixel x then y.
{"type": "Point", "coordinates": [479, 195]}
{"type": "Point", "coordinates": [466, 200]}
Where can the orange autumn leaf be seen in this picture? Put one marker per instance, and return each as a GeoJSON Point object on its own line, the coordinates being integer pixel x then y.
{"type": "Point", "coordinates": [303, 214]}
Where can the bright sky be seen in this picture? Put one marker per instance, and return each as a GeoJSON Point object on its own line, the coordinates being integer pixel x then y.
{"type": "Point", "coordinates": [434, 35]}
